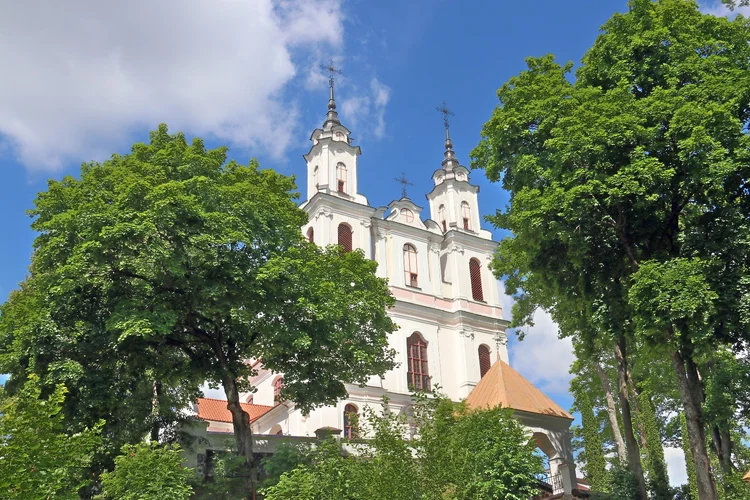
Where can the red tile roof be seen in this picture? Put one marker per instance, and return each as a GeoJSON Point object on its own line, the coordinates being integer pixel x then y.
{"type": "Point", "coordinates": [502, 385]}
{"type": "Point", "coordinates": [215, 410]}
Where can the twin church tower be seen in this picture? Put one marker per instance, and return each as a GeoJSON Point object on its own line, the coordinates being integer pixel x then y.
{"type": "Point", "coordinates": [451, 330]}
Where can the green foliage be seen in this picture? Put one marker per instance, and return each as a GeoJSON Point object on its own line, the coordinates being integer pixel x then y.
{"type": "Point", "coordinates": [656, 467]}
{"type": "Point", "coordinates": [327, 477]}
{"type": "Point", "coordinates": [287, 457]}
{"type": "Point", "coordinates": [227, 479]}
{"type": "Point", "coordinates": [593, 455]}
{"type": "Point", "coordinates": [458, 454]}
{"type": "Point", "coordinates": [39, 458]}
{"type": "Point", "coordinates": [147, 472]}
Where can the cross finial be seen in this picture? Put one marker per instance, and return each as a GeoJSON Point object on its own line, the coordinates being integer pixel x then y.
{"type": "Point", "coordinates": [446, 113]}
{"type": "Point", "coordinates": [404, 182]}
{"type": "Point", "coordinates": [332, 70]}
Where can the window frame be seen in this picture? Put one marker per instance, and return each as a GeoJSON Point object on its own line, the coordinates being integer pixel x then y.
{"type": "Point", "coordinates": [351, 426]}
{"type": "Point", "coordinates": [278, 385]}
{"type": "Point", "coordinates": [417, 357]}
{"type": "Point", "coordinates": [341, 177]}
{"type": "Point", "coordinates": [348, 245]}
{"type": "Point", "coordinates": [475, 276]}
{"type": "Point", "coordinates": [485, 359]}
{"type": "Point", "coordinates": [466, 214]}
{"type": "Point", "coordinates": [411, 266]}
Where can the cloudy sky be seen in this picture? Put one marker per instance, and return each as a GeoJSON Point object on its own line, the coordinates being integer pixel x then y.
{"type": "Point", "coordinates": [83, 79]}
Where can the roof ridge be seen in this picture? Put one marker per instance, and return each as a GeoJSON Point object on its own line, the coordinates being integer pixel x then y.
{"type": "Point", "coordinates": [224, 401]}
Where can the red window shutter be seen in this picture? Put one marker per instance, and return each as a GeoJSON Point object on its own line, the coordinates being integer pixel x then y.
{"type": "Point", "coordinates": [311, 235]}
{"type": "Point", "coordinates": [345, 237]}
{"type": "Point", "coordinates": [475, 271]}
{"type": "Point", "coordinates": [484, 359]}
{"type": "Point", "coordinates": [418, 376]}
{"type": "Point", "coordinates": [350, 421]}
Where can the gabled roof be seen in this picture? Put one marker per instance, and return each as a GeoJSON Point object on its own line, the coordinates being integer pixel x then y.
{"type": "Point", "coordinates": [504, 386]}
{"type": "Point", "coordinates": [215, 410]}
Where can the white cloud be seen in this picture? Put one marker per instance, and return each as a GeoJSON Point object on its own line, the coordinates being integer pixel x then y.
{"type": "Point", "coordinates": [79, 75]}
{"type": "Point", "coordinates": [716, 8]}
{"type": "Point", "coordinates": [675, 459]}
{"type": "Point", "coordinates": [541, 357]}
{"type": "Point", "coordinates": [367, 111]}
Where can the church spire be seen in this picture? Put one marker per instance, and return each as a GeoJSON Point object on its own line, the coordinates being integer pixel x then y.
{"type": "Point", "coordinates": [449, 157]}
{"type": "Point", "coordinates": [332, 117]}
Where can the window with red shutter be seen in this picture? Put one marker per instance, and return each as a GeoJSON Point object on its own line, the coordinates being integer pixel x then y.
{"type": "Point", "coordinates": [484, 360]}
{"type": "Point", "coordinates": [341, 177]}
{"type": "Point", "coordinates": [345, 236]}
{"type": "Point", "coordinates": [410, 266]}
{"type": "Point", "coordinates": [351, 416]}
{"type": "Point", "coordinates": [441, 216]}
{"type": "Point", "coordinates": [278, 384]}
{"type": "Point", "coordinates": [466, 213]}
{"type": "Point", "coordinates": [475, 272]}
{"type": "Point", "coordinates": [419, 373]}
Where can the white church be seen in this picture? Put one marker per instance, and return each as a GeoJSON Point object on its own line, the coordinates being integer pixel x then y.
{"type": "Point", "coordinates": [451, 327]}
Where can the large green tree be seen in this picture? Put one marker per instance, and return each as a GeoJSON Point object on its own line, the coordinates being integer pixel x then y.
{"type": "Point", "coordinates": [628, 187]}
{"type": "Point", "coordinates": [200, 264]}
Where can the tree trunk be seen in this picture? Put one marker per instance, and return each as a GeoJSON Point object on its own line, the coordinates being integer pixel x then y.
{"type": "Point", "coordinates": [243, 434]}
{"type": "Point", "coordinates": [726, 451]}
{"type": "Point", "coordinates": [688, 384]}
{"type": "Point", "coordinates": [634, 454]}
{"type": "Point", "coordinates": [612, 413]}
{"type": "Point", "coordinates": [155, 414]}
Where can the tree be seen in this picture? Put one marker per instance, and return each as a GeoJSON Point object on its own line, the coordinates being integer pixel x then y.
{"type": "Point", "coordinates": [38, 459]}
{"type": "Point", "coordinates": [630, 177]}
{"type": "Point", "coordinates": [201, 264]}
{"type": "Point", "coordinates": [147, 472]}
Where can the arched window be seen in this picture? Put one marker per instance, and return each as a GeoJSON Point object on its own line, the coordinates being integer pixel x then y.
{"type": "Point", "coordinates": [339, 136]}
{"type": "Point", "coordinates": [419, 372]}
{"type": "Point", "coordinates": [475, 273]}
{"type": "Point", "coordinates": [407, 214]}
{"type": "Point", "coordinates": [345, 236]}
{"type": "Point", "coordinates": [351, 418]}
{"type": "Point", "coordinates": [316, 182]}
{"type": "Point", "coordinates": [410, 265]}
{"type": "Point", "coordinates": [466, 214]}
{"type": "Point", "coordinates": [441, 217]}
{"type": "Point", "coordinates": [484, 359]}
{"type": "Point", "coordinates": [341, 176]}
{"type": "Point", "coordinates": [278, 384]}
{"type": "Point", "coordinates": [249, 399]}
{"type": "Point", "coordinates": [311, 235]}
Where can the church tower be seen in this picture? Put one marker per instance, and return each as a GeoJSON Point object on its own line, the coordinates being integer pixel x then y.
{"type": "Point", "coordinates": [339, 214]}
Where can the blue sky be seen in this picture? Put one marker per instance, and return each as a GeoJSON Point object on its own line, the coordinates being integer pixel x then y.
{"type": "Point", "coordinates": [88, 79]}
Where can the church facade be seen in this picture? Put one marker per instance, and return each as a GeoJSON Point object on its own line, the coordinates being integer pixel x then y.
{"type": "Point", "coordinates": [451, 330]}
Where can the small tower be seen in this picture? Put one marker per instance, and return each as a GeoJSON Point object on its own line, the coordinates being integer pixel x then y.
{"type": "Point", "coordinates": [332, 159]}
{"type": "Point", "coordinates": [453, 200]}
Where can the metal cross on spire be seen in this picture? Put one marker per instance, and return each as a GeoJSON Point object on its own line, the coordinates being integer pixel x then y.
{"type": "Point", "coordinates": [332, 70]}
{"type": "Point", "coordinates": [446, 113]}
{"type": "Point", "coordinates": [404, 182]}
